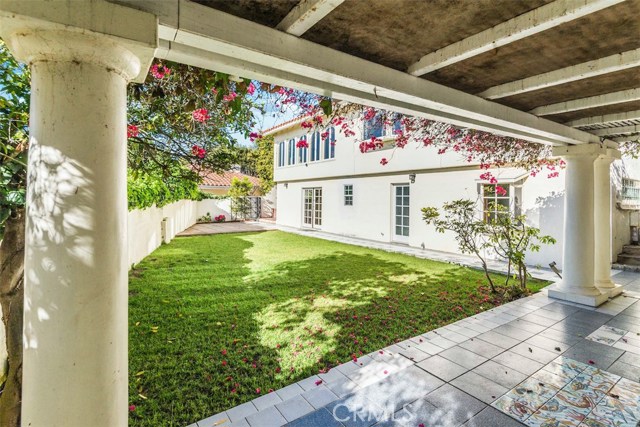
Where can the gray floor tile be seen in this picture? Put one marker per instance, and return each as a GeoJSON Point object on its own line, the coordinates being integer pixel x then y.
{"type": "Point", "coordinates": [319, 418]}
{"type": "Point", "coordinates": [482, 348]}
{"type": "Point", "coordinates": [559, 307]}
{"type": "Point", "coordinates": [625, 370]}
{"type": "Point", "coordinates": [214, 420]}
{"type": "Point", "coordinates": [589, 317]}
{"type": "Point", "coordinates": [457, 405]}
{"type": "Point", "coordinates": [594, 353]}
{"type": "Point", "coordinates": [442, 368]}
{"type": "Point", "coordinates": [294, 408]}
{"type": "Point", "coordinates": [413, 353]}
{"type": "Point", "coordinates": [442, 342]}
{"type": "Point", "coordinates": [342, 387]}
{"type": "Point", "coordinates": [454, 336]}
{"type": "Point", "coordinates": [479, 387]}
{"type": "Point", "coordinates": [538, 320]}
{"type": "Point", "coordinates": [517, 362]}
{"type": "Point", "coordinates": [331, 376]}
{"type": "Point", "coordinates": [289, 391]}
{"type": "Point", "coordinates": [498, 339]}
{"type": "Point", "coordinates": [500, 374]}
{"type": "Point", "coordinates": [527, 326]}
{"type": "Point", "coordinates": [579, 329]}
{"type": "Point", "coordinates": [319, 396]}
{"type": "Point", "coordinates": [267, 400]}
{"type": "Point", "coordinates": [548, 344]}
{"type": "Point", "coordinates": [630, 358]}
{"type": "Point", "coordinates": [620, 323]}
{"type": "Point", "coordinates": [490, 417]}
{"type": "Point", "coordinates": [532, 352]}
{"type": "Point", "coordinates": [513, 332]}
{"type": "Point", "coordinates": [270, 417]}
{"type": "Point", "coordinates": [347, 368]}
{"type": "Point", "coordinates": [463, 357]}
{"type": "Point", "coordinates": [429, 347]}
{"type": "Point", "coordinates": [356, 411]}
{"type": "Point", "coordinates": [309, 383]}
{"type": "Point", "coordinates": [241, 411]}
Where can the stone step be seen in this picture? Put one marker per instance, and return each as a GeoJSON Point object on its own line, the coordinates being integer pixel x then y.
{"type": "Point", "coordinates": [629, 259]}
{"type": "Point", "coordinates": [631, 249]}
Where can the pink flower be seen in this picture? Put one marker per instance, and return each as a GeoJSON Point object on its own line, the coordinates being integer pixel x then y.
{"type": "Point", "coordinates": [500, 191]}
{"type": "Point", "coordinates": [201, 115]}
{"type": "Point", "coordinates": [302, 144]}
{"type": "Point", "coordinates": [258, 390]}
{"type": "Point", "coordinates": [159, 71]}
{"type": "Point", "coordinates": [591, 362]}
{"type": "Point", "coordinates": [230, 97]}
{"type": "Point", "coordinates": [251, 88]}
{"type": "Point", "coordinates": [278, 370]}
{"type": "Point", "coordinates": [384, 161]}
{"type": "Point", "coordinates": [198, 151]}
{"type": "Point", "coordinates": [132, 408]}
{"type": "Point", "coordinates": [224, 352]}
{"type": "Point", "coordinates": [386, 372]}
{"type": "Point", "coordinates": [224, 363]}
{"type": "Point", "coordinates": [318, 382]}
{"type": "Point", "coordinates": [421, 425]}
{"type": "Point", "coordinates": [132, 131]}
{"type": "Point", "coordinates": [254, 135]}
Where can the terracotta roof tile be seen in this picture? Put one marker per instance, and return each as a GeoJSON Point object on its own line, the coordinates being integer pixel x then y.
{"type": "Point", "coordinates": [212, 179]}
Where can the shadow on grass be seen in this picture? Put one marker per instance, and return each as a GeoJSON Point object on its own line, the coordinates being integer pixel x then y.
{"type": "Point", "coordinates": [208, 331]}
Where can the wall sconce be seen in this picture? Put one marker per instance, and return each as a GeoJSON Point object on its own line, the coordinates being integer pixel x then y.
{"type": "Point", "coordinates": [412, 178]}
{"type": "Point", "coordinates": [286, 185]}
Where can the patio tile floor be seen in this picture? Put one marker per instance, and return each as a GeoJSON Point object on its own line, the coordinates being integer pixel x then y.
{"type": "Point", "coordinates": [533, 362]}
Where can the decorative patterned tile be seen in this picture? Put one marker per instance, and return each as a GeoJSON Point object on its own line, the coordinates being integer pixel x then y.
{"type": "Point", "coordinates": [551, 378]}
{"type": "Point", "coordinates": [565, 369]}
{"type": "Point", "coordinates": [515, 408]}
{"type": "Point", "coordinates": [628, 392]}
{"type": "Point", "coordinates": [617, 412]}
{"type": "Point", "coordinates": [595, 388]}
{"type": "Point", "coordinates": [582, 403]}
{"type": "Point", "coordinates": [606, 335]}
{"type": "Point", "coordinates": [555, 418]}
{"type": "Point", "coordinates": [533, 392]}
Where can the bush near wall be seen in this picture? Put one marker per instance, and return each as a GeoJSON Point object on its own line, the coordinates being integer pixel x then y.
{"type": "Point", "coordinates": [146, 190]}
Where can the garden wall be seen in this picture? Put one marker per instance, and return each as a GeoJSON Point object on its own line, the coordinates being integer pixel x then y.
{"type": "Point", "coordinates": [145, 225]}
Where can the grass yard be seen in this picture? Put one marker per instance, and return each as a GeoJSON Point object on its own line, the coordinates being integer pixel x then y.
{"type": "Point", "coordinates": [215, 321]}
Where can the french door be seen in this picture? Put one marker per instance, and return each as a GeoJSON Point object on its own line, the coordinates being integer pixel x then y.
{"type": "Point", "coordinates": [401, 213]}
{"type": "Point", "coordinates": [312, 207]}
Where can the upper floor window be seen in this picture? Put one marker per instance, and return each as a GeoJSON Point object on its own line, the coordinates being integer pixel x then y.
{"type": "Point", "coordinates": [374, 127]}
{"type": "Point", "coordinates": [292, 152]}
{"type": "Point", "coordinates": [315, 147]}
{"type": "Point", "coordinates": [496, 200]}
{"type": "Point", "coordinates": [303, 150]}
{"type": "Point", "coordinates": [348, 195]}
{"type": "Point", "coordinates": [281, 154]}
{"type": "Point", "coordinates": [329, 143]}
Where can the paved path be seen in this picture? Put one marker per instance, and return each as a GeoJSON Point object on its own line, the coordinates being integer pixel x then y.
{"type": "Point", "coordinates": [530, 362]}
{"type": "Point", "coordinates": [221, 228]}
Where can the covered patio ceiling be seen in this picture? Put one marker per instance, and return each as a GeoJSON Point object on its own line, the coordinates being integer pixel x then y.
{"type": "Point", "coordinates": [538, 62]}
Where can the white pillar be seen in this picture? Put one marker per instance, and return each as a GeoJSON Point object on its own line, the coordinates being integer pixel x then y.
{"type": "Point", "coordinates": [602, 194]}
{"type": "Point", "coordinates": [75, 314]}
{"type": "Point", "coordinates": [578, 284]}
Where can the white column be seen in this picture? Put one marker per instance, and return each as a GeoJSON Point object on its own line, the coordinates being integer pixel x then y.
{"type": "Point", "coordinates": [577, 284]}
{"type": "Point", "coordinates": [75, 314]}
{"type": "Point", "coordinates": [602, 193]}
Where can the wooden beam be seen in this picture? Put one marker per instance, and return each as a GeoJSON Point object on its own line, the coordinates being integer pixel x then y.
{"type": "Point", "coordinates": [598, 67]}
{"type": "Point", "coordinates": [244, 48]}
{"type": "Point", "coordinates": [306, 14]}
{"type": "Point", "coordinates": [605, 119]}
{"type": "Point", "coordinates": [589, 102]}
{"type": "Point", "coordinates": [627, 138]}
{"type": "Point", "coordinates": [620, 130]}
{"type": "Point", "coordinates": [522, 26]}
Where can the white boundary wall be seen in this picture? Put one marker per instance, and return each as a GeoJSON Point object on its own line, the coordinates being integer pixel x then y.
{"type": "Point", "coordinates": [145, 225]}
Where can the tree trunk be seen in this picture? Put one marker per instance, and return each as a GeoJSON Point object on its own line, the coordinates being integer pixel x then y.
{"type": "Point", "coordinates": [11, 299]}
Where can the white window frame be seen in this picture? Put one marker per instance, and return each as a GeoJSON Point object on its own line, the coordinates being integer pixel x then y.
{"type": "Point", "coordinates": [347, 191]}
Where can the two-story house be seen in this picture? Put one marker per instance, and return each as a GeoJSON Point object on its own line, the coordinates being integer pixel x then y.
{"type": "Point", "coordinates": [334, 187]}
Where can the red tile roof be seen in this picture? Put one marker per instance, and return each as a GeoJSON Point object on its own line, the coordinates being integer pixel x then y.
{"type": "Point", "coordinates": [212, 179]}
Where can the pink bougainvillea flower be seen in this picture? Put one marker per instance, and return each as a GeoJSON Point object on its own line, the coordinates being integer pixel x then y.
{"type": "Point", "coordinates": [386, 372]}
{"type": "Point", "coordinates": [254, 135]}
{"type": "Point", "coordinates": [233, 391]}
{"type": "Point", "coordinates": [421, 425]}
{"type": "Point", "coordinates": [591, 362]}
{"type": "Point", "coordinates": [381, 352]}
{"type": "Point", "coordinates": [318, 382]}
{"type": "Point", "coordinates": [270, 390]}
{"type": "Point", "coordinates": [500, 191]}
{"type": "Point", "coordinates": [132, 131]}
{"type": "Point", "coordinates": [159, 71]}
{"type": "Point", "coordinates": [258, 390]}
{"type": "Point", "coordinates": [201, 115]}
{"type": "Point", "coordinates": [224, 363]}
{"type": "Point", "coordinates": [198, 151]}
{"type": "Point", "coordinates": [132, 408]}
{"type": "Point", "coordinates": [224, 352]}
{"type": "Point", "coordinates": [251, 88]}
{"type": "Point", "coordinates": [302, 144]}
{"type": "Point", "coordinates": [230, 96]}
{"type": "Point", "coordinates": [278, 370]}
{"type": "Point", "coordinates": [384, 161]}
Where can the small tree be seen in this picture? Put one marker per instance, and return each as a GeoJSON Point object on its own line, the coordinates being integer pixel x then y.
{"type": "Point", "coordinates": [506, 235]}
{"type": "Point", "coordinates": [239, 192]}
{"type": "Point", "coordinates": [264, 162]}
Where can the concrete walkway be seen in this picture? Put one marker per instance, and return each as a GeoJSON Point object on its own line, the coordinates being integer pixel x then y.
{"type": "Point", "coordinates": [534, 362]}
{"type": "Point", "coordinates": [204, 229]}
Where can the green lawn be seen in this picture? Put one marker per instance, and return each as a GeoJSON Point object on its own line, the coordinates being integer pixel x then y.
{"type": "Point", "coordinates": [214, 319]}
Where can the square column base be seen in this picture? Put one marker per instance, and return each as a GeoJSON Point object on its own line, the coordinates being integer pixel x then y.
{"type": "Point", "coordinates": [612, 291]}
{"type": "Point", "coordinates": [554, 291]}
